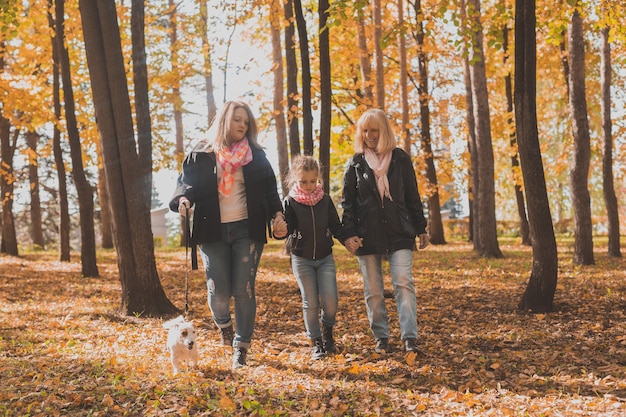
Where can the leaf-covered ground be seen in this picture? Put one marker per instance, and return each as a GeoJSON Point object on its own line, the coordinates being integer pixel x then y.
{"type": "Point", "coordinates": [64, 351]}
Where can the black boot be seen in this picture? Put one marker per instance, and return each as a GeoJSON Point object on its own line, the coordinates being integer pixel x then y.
{"type": "Point", "coordinates": [226, 335]}
{"type": "Point", "coordinates": [328, 340]}
{"type": "Point", "coordinates": [317, 352]}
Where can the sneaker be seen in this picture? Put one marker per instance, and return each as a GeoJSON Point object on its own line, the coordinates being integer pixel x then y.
{"type": "Point", "coordinates": [226, 335]}
{"type": "Point", "coordinates": [382, 346]}
{"type": "Point", "coordinates": [410, 345]}
{"type": "Point", "coordinates": [317, 352]}
{"type": "Point", "coordinates": [239, 357]}
{"type": "Point", "coordinates": [328, 340]}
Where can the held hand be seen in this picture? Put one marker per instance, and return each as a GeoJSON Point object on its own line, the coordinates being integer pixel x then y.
{"type": "Point", "coordinates": [279, 225]}
{"type": "Point", "coordinates": [353, 243]}
{"type": "Point", "coordinates": [183, 206]}
{"type": "Point", "coordinates": [424, 240]}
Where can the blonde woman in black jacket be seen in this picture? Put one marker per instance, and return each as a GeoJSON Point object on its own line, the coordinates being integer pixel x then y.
{"type": "Point", "coordinates": [312, 221]}
{"type": "Point", "coordinates": [232, 187]}
{"type": "Point", "coordinates": [383, 214]}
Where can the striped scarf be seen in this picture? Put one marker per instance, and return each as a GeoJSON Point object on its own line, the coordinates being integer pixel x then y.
{"type": "Point", "coordinates": [308, 199]}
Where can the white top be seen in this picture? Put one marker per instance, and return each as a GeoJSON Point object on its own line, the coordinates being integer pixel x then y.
{"type": "Point", "coordinates": [233, 207]}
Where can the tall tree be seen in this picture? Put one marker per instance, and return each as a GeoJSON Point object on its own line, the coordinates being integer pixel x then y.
{"type": "Point", "coordinates": [378, 54]}
{"type": "Point", "coordinates": [539, 294]}
{"type": "Point", "coordinates": [307, 113]}
{"type": "Point", "coordinates": [64, 214]}
{"type": "Point", "coordinates": [365, 64]}
{"type": "Point", "coordinates": [325, 92]}
{"type": "Point", "coordinates": [279, 94]}
{"type": "Point", "coordinates": [177, 101]}
{"type": "Point", "coordinates": [106, 229]}
{"type": "Point", "coordinates": [291, 66]}
{"type": "Point", "coordinates": [486, 214]}
{"type": "Point", "coordinates": [579, 173]}
{"type": "Point", "coordinates": [8, 143]}
{"type": "Point", "coordinates": [36, 229]}
{"type": "Point", "coordinates": [142, 292]}
{"type": "Point", "coordinates": [519, 194]}
{"type": "Point", "coordinates": [608, 188]}
{"type": "Point", "coordinates": [207, 63]}
{"type": "Point", "coordinates": [84, 189]}
{"type": "Point", "coordinates": [404, 86]}
{"type": "Point", "coordinates": [435, 223]}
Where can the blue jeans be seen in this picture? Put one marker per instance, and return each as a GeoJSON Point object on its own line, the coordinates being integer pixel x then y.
{"type": "Point", "coordinates": [318, 285]}
{"type": "Point", "coordinates": [230, 267]}
{"type": "Point", "coordinates": [400, 264]}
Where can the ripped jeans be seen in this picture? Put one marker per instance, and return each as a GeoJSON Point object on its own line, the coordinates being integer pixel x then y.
{"type": "Point", "coordinates": [230, 267]}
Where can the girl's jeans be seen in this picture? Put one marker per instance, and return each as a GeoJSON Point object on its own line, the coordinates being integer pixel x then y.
{"type": "Point", "coordinates": [318, 286]}
{"type": "Point", "coordinates": [230, 267]}
{"type": "Point", "coordinates": [400, 263]}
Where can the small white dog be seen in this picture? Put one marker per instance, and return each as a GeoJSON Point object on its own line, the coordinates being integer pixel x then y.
{"type": "Point", "coordinates": [181, 342]}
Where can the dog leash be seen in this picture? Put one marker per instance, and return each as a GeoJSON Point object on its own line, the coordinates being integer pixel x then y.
{"type": "Point", "coordinates": [187, 233]}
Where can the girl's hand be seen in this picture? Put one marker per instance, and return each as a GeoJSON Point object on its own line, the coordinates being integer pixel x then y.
{"type": "Point", "coordinates": [353, 243]}
{"type": "Point", "coordinates": [279, 225]}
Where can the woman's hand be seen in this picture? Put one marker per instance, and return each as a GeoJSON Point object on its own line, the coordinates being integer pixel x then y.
{"type": "Point", "coordinates": [183, 206]}
{"type": "Point", "coordinates": [279, 225]}
{"type": "Point", "coordinates": [353, 243]}
{"type": "Point", "coordinates": [424, 240]}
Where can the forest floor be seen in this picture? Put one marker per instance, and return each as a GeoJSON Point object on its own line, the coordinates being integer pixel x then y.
{"type": "Point", "coordinates": [65, 350]}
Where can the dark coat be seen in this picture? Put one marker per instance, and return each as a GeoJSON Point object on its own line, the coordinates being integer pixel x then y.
{"type": "Point", "coordinates": [198, 182]}
{"type": "Point", "coordinates": [313, 227]}
{"type": "Point", "coordinates": [385, 225]}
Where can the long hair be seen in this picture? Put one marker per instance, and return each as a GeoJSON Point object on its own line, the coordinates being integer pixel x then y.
{"type": "Point", "coordinates": [301, 163]}
{"type": "Point", "coordinates": [222, 139]}
{"type": "Point", "coordinates": [375, 118]}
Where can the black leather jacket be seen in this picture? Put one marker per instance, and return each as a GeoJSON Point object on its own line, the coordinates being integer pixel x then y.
{"type": "Point", "coordinates": [313, 227]}
{"type": "Point", "coordinates": [385, 225]}
{"type": "Point", "coordinates": [198, 182]}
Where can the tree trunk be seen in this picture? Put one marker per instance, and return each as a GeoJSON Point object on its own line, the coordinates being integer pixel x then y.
{"type": "Point", "coordinates": [7, 180]}
{"type": "Point", "coordinates": [291, 64]}
{"type": "Point", "coordinates": [539, 294]}
{"type": "Point", "coordinates": [307, 113]}
{"type": "Point", "coordinates": [84, 189]}
{"type": "Point", "coordinates": [279, 94]}
{"type": "Point", "coordinates": [610, 199]}
{"type": "Point", "coordinates": [435, 224]}
{"type": "Point", "coordinates": [36, 229]}
{"type": "Point", "coordinates": [474, 180]}
{"type": "Point", "coordinates": [486, 213]}
{"type": "Point", "coordinates": [106, 228]}
{"type": "Point", "coordinates": [325, 92]}
{"type": "Point", "coordinates": [64, 214]}
{"type": "Point", "coordinates": [579, 173]}
{"type": "Point", "coordinates": [142, 293]}
{"type": "Point", "coordinates": [364, 61]}
{"type": "Point", "coordinates": [404, 88]}
{"type": "Point", "coordinates": [208, 66]}
{"type": "Point", "coordinates": [378, 55]}
{"type": "Point", "coordinates": [524, 230]}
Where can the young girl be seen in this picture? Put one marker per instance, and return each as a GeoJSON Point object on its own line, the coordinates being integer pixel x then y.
{"type": "Point", "coordinates": [312, 221]}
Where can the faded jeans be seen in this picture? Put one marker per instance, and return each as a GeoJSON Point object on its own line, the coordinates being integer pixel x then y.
{"type": "Point", "coordinates": [318, 286]}
{"type": "Point", "coordinates": [400, 264]}
{"type": "Point", "coordinates": [230, 267]}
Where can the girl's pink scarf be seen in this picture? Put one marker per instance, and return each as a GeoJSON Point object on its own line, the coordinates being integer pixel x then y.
{"type": "Point", "coordinates": [308, 199]}
{"type": "Point", "coordinates": [380, 166]}
{"type": "Point", "coordinates": [239, 154]}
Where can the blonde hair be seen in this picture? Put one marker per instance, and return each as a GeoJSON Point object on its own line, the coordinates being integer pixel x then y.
{"type": "Point", "coordinates": [303, 163]}
{"type": "Point", "coordinates": [222, 139]}
{"type": "Point", "coordinates": [378, 119]}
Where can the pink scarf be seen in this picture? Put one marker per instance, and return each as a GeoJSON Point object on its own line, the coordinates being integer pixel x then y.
{"type": "Point", "coordinates": [308, 199]}
{"type": "Point", "coordinates": [380, 166]}
{"type": "Point", "coordinates": [239, 154]}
